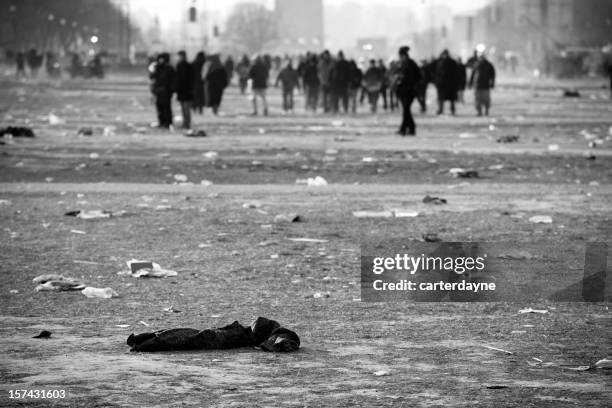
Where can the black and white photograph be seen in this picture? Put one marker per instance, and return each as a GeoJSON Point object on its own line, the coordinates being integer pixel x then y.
{"type": "Point", "coordinates": [306, 203]}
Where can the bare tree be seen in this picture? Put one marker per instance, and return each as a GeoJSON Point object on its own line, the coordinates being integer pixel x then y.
{"type": "Point", "coordinates": [251, 26]}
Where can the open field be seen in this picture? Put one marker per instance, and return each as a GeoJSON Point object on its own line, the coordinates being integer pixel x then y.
{"type": "Point", "coordinates": [236, 263]}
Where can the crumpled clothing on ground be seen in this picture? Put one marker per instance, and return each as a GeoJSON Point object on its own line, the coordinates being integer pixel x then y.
{"type": "Point", "coordinates": [263, 333]}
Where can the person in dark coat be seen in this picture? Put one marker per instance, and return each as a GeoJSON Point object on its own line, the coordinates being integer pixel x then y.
{"type": "Point", "coordinates": [373, 84]}
{"type": "Point", "coordinates": [311, 82]}
{"type": "Point", "coordinates": [259, 74]}
{"type": "Point", "coordinates": [427, 71]}
{"type": "Point", "coordinates": [393, 103]}
{"type": "Point", "coordinates": [404, 82]}
{"type": "Point", "coordinates": [340, 80]}
{"type": "Point", "coordinates": [289, 80]}
{"type": "Point", "coordinates": [184, 87]}
{"type": "Point", "coordinates": [461, 80]}
{"type": "Point", "coordinates": [215, 82]}
{"type": "Point", "coordinates": [34, 60]}
{"type": "Point", "coordinates": [242, 69]}
{"type": "Point", "coordinates": [482, 80]}
{"type": "Point", "coordinates": [21, 61]}
{"type": "Point", "coordinates": [229, 68]}
{"type": "Point", "coordinates": [162, 88]}
{"type": "Point", "coordinates": [355, 86]}
{"type": "Point", "coordinates": [324, 67]}
{"type": "Point", "coordinates": [446, 81]}
{"type": "Point", "coordinates": [385, 84]}
{"type": "Point", "coordinates": [198, 82]}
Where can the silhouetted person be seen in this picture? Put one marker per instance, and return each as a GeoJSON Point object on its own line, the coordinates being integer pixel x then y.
{"type": "Point", "coordinates": [259, 74]}
{"type": "Point", "coordinates": [385, 84]}
{"type": "Point", "coordinates": [325, 65]}
{"type": "Point", "coordinates": [243, 73]}
{"type": "Point", "coordinates": [34, 60]}
{"type": "Point", "coordinates": [20, 61]}
{"type": "Point", "coordinates": [461, 80]}
{"type": "Point", "coordinates": [289, 80]}
{"type": "Point", "coordinates": [229, 68]}
{"type": "Point", "coordinates": [215, 82]}
{"type": "Point", "coordinates": [446, 81]}
{"type": "Point", "coordinates": [184, 87]}
{"type": "Point", "coordinates": [355, 85]}
{"type": "Point", "coordinates": [405, 80]}
{"type": "Point", "coordinates": [340, 80]}
{"type": "Point", "coordinates": [162, 88]}
{"type": "Point", "coordinates": [310, 80]}
{"type": "Point", "coordinates": [373, 83]}
{"type": "Point", "coordinates": [198, 82]}
{"type": "Point", "coordinates": [76, 65]}
{"type": "Point", "coordinates": [483, 80]}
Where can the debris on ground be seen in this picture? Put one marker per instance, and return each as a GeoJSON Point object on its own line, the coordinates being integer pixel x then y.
{"type": "Point", "coordinates": [497, 387]}
{"type": "Point", "coordinates": [57, 283]}
{"type": "Point", "coordinates": [195, 133]}
{"type": "Point", "coordinates": [431, 237]}
{"type": "Point", "coordinates": [458, 172]}
{"type": "Point", "coordinates": [45, 334]}
{"type": "Point", "coordinates": [317, 181]}
{"type": "Point", "coordinates": [381, 373]}
{"type": "Point", "coordinates": [181, 178]}
{"type": "Point", "coordinates": [104, 293]}
{"type": "Point", "coordinates": [266, 334]}
{"type": "Point", "coordinates": [312, 240]}
{"type": "Point", "coordinates": [570, 93]}
{"type": "Point", "coordinates": [206, 183]}
{"type": "Point", "coordinates": [251, 204]}
{"type": "Point", "coordinates": [288, 218]}
{"type": "Point", "coordinates": [86, 131]}
{"type": "Point", "coordinates": [148, 269]}
{"type": "Point", "coordinates": [467, 135]}
{"type": "Point", "coordinates": [508, 139]}
{"type": "Point", "coordinates": [433, 200]}
{"type": "Point", "coordinates": [89, 215]}
{"type": "Point", "coordinates": [55, 120]}
{"type": "Point", "coordinates": [541, 219]}
{"type": "Point", "coordinates": [211, 155]}
{"type": "Point", "coordinates": [372, 214]}
{"type": "Point", "coordinates": [319, 295]}
{"type": "Point", "coordinates": [17, 131]}
{"type": "Point", "coordinates": [530, 310]}
{"type": "Point", "coordinates": [553, 147]}
{"type": "Point", "coordinates": [605, 363]}
{"type": "Point", "coordinates": [498, 349]}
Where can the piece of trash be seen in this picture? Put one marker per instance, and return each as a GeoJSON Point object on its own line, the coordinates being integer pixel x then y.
{"type": "Point", "coordinates": [541, 219]}
{"type": "Point", "coordinates": [211, 155]}
{"type": "Point", "coordinates": [431, 237]}
{"type": "Point", "coordinates": [87, 131]}
{"type": "Point", "coordinates": [195, 133]}
{"type": "Point", "coordinates": [147, 269]}
{"type": "Point", "coordinates": [76, 261]}
{"type": "Point", "coordinates": [368, 159]}
{"type": "Point", "coordinates": [288, 218]}
{"type": "Point", "coordinates": [45, 334]}
{"type": "Point", "coordinates": [530, 310]}
{"type": "Point", "coordinates": [59, 286]}
{"type": "Point", "coordinates": [605, 363]}
{"type": "Point", "coordinates": [372, 214]}
{"type": "Point", "coordinates": [89, 215]}
{"type": "Point", "coordinates": [508, 139]}
{"type": "Point", "coordinates": [381, 373]}
{"type": "Point", "coordinates": [496, 167]}
{"type": "Point", "coordinates": [144, 323]}
{"type": "Point", "coordinates": [496, 387]}
{"type": "Point", "coordinates": [434, 200]}
{"type": "Point", "coordinates": [331, 152]}
{"type": "Point", "coordinates": [318, 181]}
{"type": "Point", "coordinates": [80, 232]}
{"type": "Point", "coordinates": [104, 293]}
{"type": "Point", "coordinates": [13, 291]}
{"type": "Point", "coordinates": [171, 310]}
{"type": "Point", "coordinates": [252, 204]}
{"type": "Point", "coordinates": [553, 147]}
{"type": "Point", "coordinates": [17, 131]}
{"type": "Point", "coordinates": [55, 120]}
{"type": "Point", "coordinates": [266, 334]}
{"type": "Point", "coordinates": [313, 240]}
{"type": "Point", "coordinates": [108, 131]}
{"type": "Point", "coordinates": [402, 213]}
{"type": "Point", "coordinates": [498, 349]}
{"type": "Point", "coordinates": [123, 326]}
{"type": "Point", "coordinates": [206, 183]}
{"type": "Point", "coordinates": [467, 135]}
{"type": "Point", "coordinates": [463, 173]}
{"type": "Point", "coordinates": [570, 93]}
{"type": "Point", "coordinates": [5, 202]}
{"type": "Point", "coordinates": [181, 178]}
{"type": "Point", "coordinates": [319, 295]}
{"type": "Point", "coordinates": [337, 123]}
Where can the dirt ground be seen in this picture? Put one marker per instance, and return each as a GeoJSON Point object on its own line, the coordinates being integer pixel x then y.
{"type": "Point", "coordinates": [236, 263]}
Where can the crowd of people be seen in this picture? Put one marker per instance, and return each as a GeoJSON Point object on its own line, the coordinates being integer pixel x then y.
{"type": "Point", "coordinates": [330, 83]}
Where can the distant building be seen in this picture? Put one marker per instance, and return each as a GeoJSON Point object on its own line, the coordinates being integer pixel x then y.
{"type": "Point", "coordinates": [300, 24]}
{"type": "Point", "coordinates": [536, 30]}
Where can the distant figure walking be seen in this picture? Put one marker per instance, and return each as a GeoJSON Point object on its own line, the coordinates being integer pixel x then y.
{"type": "Point", "coordinates": [405, 80]}
{"type": "Point", "coordinates": [355, 85]}
{"type": "Point", "coordinates": [289, 80]}
{"type": "Point", "coordinates": [259, 74]}
{"type": "Point", "coordinates": [311, 82]}
{"type": "Point", "coordinates": [229, 69]}
{"type": "Point", "coordinates": [162, 88]}
{"type": "Point", "coordinates": [461, 80]}
{"type": "Point", "coordinates": [184, 87]}
{"type": "Point", "coordinates": [373, 84]}
{"type": "Point", "coordinates": [446, 81]}
{"type": "Point", "coordinates": [483, 80]}
{"type": "Point", "coordinates": [243, 73]}
{"type": "Point", "coordinates": [215, 82]}
{"type": "Point", "coordinates": [21, 61]}
{"type": "Point", "coordinates": [198, 82]}
{"type": "Point", "coordinates": [340, 81]}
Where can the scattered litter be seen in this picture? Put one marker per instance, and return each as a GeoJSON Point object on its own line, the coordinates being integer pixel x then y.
{"type": "Point", "coordinates": [553, 147]}
{"type": "Point", "coordinates": [404, 213]}
{"type": "Point", "coordinates": [62, 285]}
{"type": "Point", "coordinates": [266, 334]}
{"type": "Point", "coordinates": [288, 218]}
{"type": "Point", "coordinates": [89, 215]}
{"type": "Point", "coordinates": [206, 183]}
{"type": "Point", "coordinates": [496, 167]}
{"type": "Point", "coordinates": [87, 131]}
{"type": "Point", "coordinates": [196, 133]}
{"type": "Point", "coordinates": [211, 155]}
{"type": "Point", "coordinates": [13, 291]}
{"type": "Point", "coordinates": [74, 231]}
{"type": "Point", "coordinates": [431, 237]}
{"type": "Point", "coordinates": [318, 181]}
{"type": "Point", "coordinates": [171, 310]}
{"type": "Point", "coordinates": [434, 200]}
{"type": "Point", "coordinates": [498, 349]}
{"type": "Point", "coordinates": [508, 139]}
{"type": "Point", "coordinates": [467, 135]}
{"type": "Point", "coordinates": [45, 334]}
{"type": "Point", "coordinates": [144, 323]}
{"type": "Point", "coordinates": [181, 178]}
{"type": "Point", "coordinates": [123, 326]}
{"type": "Point", "coordinates": [338, 123]}
{"type": "Point", "coordinates": [87, 262]}
{"type": "Point", "coordinates": [368, 160]}
{"type": "Point", "coordinates": [319, 295]}
{"type": "Point", "coordinates": [463, 173]}
{"type": "Point", "coordinates": [109, 131]}
{"type": "Point", "coordinates": [5, 202]}
{"type": "Point", "coordinates": [605, 363]}
{"type": "Point", "coordinates": [104, 293]}
{"type": "Point", "coordinates": [541, 219]}
{"type": "Point", "coordinates": [17, 131]}
{"type": "Point", "coordinates": [331, 152]}
{"type": "Point", "coordinates": [570, 93]}
{"type": "Point", "coordinates": [163, 207]}
{"type": "Point", "coordinates": [496, 387]}
{"type": "Point", "coordinates": [251, 204]}
{"type": "Point", "coordinates": [530, 310]}
{"type": "Point", "coordinates": [313, 240]}
{"type": "Point", "coordinates": [381, 373]}
{"type": "Point", "coordinates": [147, 269]}
{"type": "Point", "coordinates": [372, 214]}
{"type": "Point", "coordinates": [55, 120]}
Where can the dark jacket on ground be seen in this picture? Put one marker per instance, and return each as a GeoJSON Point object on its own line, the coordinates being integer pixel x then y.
{"type": "Point", "coordinates": [259, 75]}
{"type": "Point", "coordinates": [446, 79]}
{"type": "Point", "coordinates": [483, 76]}
{"type": "Point", "coordinates": [184, 81]}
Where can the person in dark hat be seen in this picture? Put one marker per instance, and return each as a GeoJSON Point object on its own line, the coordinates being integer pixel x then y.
{"type": "Point", "coordinates": [162, 88]}
{"type": "Point", "coordinates": [404, 81]}
{"type": "Point", "coordinates": [184, 87]}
